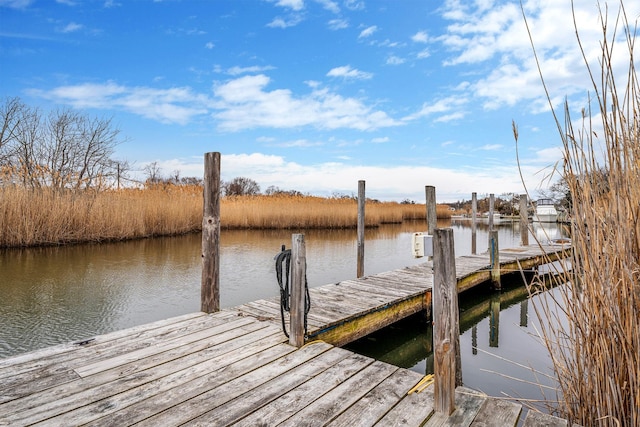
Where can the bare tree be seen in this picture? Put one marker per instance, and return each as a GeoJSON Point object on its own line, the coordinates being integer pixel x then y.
{"type": "Point", "coordinates": [241, 186]}
{"type": "Point", "coordinates": [66, 150]}
{"type": "Point", "coordinates": [153, 173]}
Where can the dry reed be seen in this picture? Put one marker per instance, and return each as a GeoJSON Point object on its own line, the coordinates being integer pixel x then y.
{"type": "Point", "coordinates": [30, 217]}
{"type": "Point", "coordinates": [596, 351]}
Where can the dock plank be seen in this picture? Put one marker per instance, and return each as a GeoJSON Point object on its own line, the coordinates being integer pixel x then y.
{"type": "Point", "coordinates": [374, 405]}
{"type": "Point", "coordinates": [337, 400]}
{"type": "Point", "coordinates": [235, 409]}
{"type": "Point", "coordinates": [538, 419]}
{"type": "Point", "coordinates": [200, 399]}
{"type": "Point", "coordinates": [299, 398]}
{"type": "Point", "coordinates": [497, 413]}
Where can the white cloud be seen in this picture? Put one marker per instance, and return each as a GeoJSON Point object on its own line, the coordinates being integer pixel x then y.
{"type": "Point", "coordinates": [234, 71]}
{"type": "Point", "coordinates": [280, 22]}
{"type": "Point", "coordinates": [395, 60]}
{"type": "Point", "coordinates": [491, 147]}
{"type": "Point", "coordinates": [380, 140]}
{"type": "Point", "coordinates": [72, 27]}
{"type": "Point", "coordinates": [354, 4]}
{"type": "Point", "coordinates": [451, 105]}
{"type": "Point", "coordinates": [367, 32]}
{"type": "Point", "coordinates": [291, 4]}
{"type": "Point", "coordinates": [383, 182]}
{"type": "Point", "coordinates": [338, 24]}
{"type": "Point", "coordinates": [16, 4]}
{"type": "Point", "coordinates": [173, 105]}
{"type": "Point", "coordinates": [330, 5]}
{"type": "Point", "coordinates": [480, 32]}
{"type": "Point", "coordinates": [420, 37]}
{"type": "Point", "coordinates": [209, 45]}
{"type": "Point", "coordinates": [349, 73]}
{"type": "Point", "coordinates": [244, 103]}
{"type": "Point", "coordinates": [423, 54]}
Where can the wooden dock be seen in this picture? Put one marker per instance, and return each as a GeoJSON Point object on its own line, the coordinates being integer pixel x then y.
{"type": "Point", "coordinates": [235, 367]}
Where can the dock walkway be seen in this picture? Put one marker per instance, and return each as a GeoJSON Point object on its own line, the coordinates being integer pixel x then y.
{"type": "Point", "coordinates": [234, 367]}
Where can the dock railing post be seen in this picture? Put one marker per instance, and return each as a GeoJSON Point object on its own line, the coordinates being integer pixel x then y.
{"type": "Point", "coordinates": [446, 328]}
{"type": "Point", "coordinates": [474, 218]}
{"type": "Point", "coordinates": [298, 278]}
{"type": "Point", "coordinates": [494, 257]}
{"type": "Point", "coordinates": [432, 219]}
{"type": "Point", "coordinates": [210, 286]}
{"type": "Point", "coordinates": [524, 221]}
{"type": "Point", "coordinates": [361, 203]}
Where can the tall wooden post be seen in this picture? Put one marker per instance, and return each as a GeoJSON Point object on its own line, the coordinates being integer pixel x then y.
{"type": "Point", "coordinates": [524, 221]}
{"type": "Point", "coordinates": [491, 202]}
{"type": "Point", "coordinates": [446, 328]}
{"type": "Point", "coordinates": [494, 256]}
{"type": "Point", "coordinates": [474, 218]}
{"type": "Point", "coordinates": [298, 278]}
{"type": "Point", "coordinates": [210, 288]}
{"type": "Point", "coordinates": [361, 203]}
{"type": "Point", "coordinates": [432, 219]}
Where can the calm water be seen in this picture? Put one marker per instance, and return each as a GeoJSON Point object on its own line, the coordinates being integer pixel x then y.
{"type": "Point", "coordinates": [56, 295]}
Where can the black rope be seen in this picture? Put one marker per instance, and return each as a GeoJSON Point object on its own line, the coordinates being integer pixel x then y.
{"type": "Point", "coordinates": [283, 259]}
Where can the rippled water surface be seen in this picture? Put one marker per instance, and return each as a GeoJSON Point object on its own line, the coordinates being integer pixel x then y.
{"type": "Point", "coordinates": [61, 294]}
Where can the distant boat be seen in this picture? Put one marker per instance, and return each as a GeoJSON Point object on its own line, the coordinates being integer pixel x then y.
{"type": "Point", "coordinates": [545, 211]}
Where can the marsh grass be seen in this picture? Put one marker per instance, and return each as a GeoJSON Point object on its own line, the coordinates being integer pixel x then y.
{"type": "Point", "coordinates": [32, 217]}
{"type": "Point", "coordinates": [596, 350]}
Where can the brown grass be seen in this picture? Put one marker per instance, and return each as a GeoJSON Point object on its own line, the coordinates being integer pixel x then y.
{"type": "Point", "coordinates": [596, 351]}
{"type": "Point", "coordinates": [48, 217]}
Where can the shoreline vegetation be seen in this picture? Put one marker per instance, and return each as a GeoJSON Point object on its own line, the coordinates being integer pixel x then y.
{"type": "Point", "coordinates": [49, 217]}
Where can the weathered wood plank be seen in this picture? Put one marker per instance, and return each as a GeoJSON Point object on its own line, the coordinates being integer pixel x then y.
{"type": "Point", "coordinates": [114, 388]}
{"type": "Point", "coordinates": [412, 410]}
{"type": "Point", "coordinates": [538, 419]}
{"type": "Point", "coordinates": [497, 413]}
{"type": "Point", "coordinates": [357, 327]}
{"type": "Point", "coordinates": [8, 365]}
{"type": "Point", "coordinates": [106, 344]}
{"type": "Point", "coordinates": [294, 401]}
{"type": "Point", "coordinates": [468, 403]}
{"type": "Point", "coordinates": [341, 397]}
{"type": "Point", "coordinates": [58, 369]}
{"type": "Point", "coordinates": [186, 404]}
{"type": "Point", "coordinates": [130, 375]}
{"type": "Point", "coordinates": [229, 412]}
{"type": "Point", "coordinates": [150, 398]}
{"type": "Point", "coordinates": [166, 345]}
{"type": "Point", "coordinates": [374, 405]}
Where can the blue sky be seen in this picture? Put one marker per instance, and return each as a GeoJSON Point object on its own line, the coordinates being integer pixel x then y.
{"type": "Point", "coordinates": [313, 95]}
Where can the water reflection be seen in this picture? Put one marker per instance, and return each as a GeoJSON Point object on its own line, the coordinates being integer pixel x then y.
{"type": "Point", "coordinates": [61, 294]}
{"type": "Point", "coordinates": [500, 350]}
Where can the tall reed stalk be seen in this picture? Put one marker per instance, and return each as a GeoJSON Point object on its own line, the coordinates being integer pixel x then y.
{"type": "Point", "coordinates": [596, 351]}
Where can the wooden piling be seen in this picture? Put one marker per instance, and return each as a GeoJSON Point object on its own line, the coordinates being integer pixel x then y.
{"type": "Point", "coordinates": [494, 256]}
{"type": "Point", "coordinates": [298, 279]}
{"type": "Point", "coordinates": [432, 219]}
{"type": "Point", "coordinates": [491, 203]}
{"type": "Point", "coordinates": [446, 328]}
{"type": "Point", "coordinates": [210, 286]}
{"type": "Point", "coordinates": [524, 221]}
{"type": "Point", "coordinates": [474, 218]}
{"type": "Point", "coordinates": [361, 203]}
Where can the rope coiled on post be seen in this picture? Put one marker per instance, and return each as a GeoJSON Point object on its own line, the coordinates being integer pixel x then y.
{"type": "Point", "coordinates": [284, 259]}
